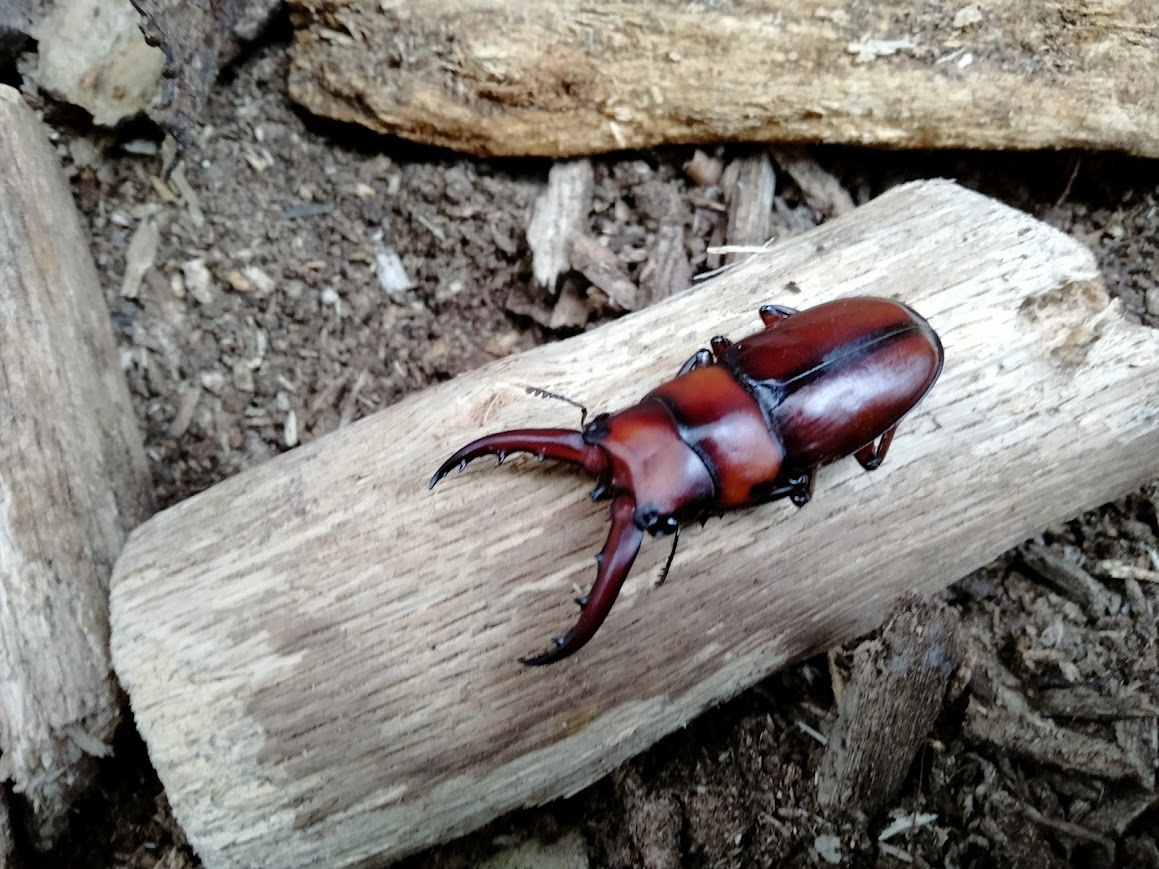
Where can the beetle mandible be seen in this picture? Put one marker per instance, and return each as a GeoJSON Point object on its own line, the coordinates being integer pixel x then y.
{"type": "Point", "coordinates": [741, 424]}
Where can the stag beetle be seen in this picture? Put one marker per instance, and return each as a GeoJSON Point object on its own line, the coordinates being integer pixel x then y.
{"type": "Point", "coordinates": [741, 424]}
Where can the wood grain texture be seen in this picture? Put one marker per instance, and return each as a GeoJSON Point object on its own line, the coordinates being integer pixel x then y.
{"type": "Point", "coordinates": [73, 482]}
{"type": "Point", "coordinates": [888, 709]}
{"type": "Point", "coordinates": [321, 654]}
{"type": "Point", "coordinates": [559, 78]}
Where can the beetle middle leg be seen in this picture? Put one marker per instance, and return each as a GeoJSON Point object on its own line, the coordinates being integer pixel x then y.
{"type": "Point", "coordinates": [873, 454]}
{"type": "Point", "coordinates": [802, 488]}
{"type": "Point", "coordinates": [772, 313]}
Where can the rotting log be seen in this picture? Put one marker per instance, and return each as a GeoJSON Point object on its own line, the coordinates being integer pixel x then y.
{"type": "Point", "coordinates": [73, 483]}
{"type": "Point", "coordinates": [558, 79]}
{"type": "Point", "coordinates": [322, 655]}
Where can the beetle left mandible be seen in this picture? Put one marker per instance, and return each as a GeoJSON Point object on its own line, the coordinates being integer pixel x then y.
{"type": "Point", "coordinates": [740, 424]}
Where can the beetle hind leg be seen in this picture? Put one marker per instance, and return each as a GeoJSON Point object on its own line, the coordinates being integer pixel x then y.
{"type": "Point", "coordinates": [612, 566]}
{"type": "Point", "coordinates": [772, 313]}
{"type": "Point", "coordinates": [873, 454]}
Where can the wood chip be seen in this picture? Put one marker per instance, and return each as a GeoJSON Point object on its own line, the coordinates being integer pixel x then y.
{"type": "Point", "coordinates": [1117, 816]}
{"type": "Point", "coordinates": [750, 206]}
{"type": "Point", "coordinates": [1121, 570]}
{"type": "Point", "coordinates": [667, 269]}
{"type": "Point", "coordinates": [705, 171]}
{"type": "Point", "coordinates": [1084, 703]}
{"type": "Point", "coordinates": [139, 256]}
{"type": "Point", "coordinates": [388, 267]}
{"type": "Point", "coordinates": [1138, 740]}
{"type": "Point", "coordinates": [821, 189]}
{"type": "Point", "coordinates": [190, 394]}
{"type": "Point", "coordinates": [1066, 828]}
{"type": "Point", "coordinates": [1034, 738]}
{"type": "Point", "coordinates": [1068, 579]}
{"type": "Point", "coordinates": [897, 687]}
{"type": "Point", "coordinates": [560, 210]}
{"type": "Point", "coordinates": [198, 281]}
{"type": "Point", "coordinates": [600, 266]}
{"type": "Point", "coordinates": [571, 309]}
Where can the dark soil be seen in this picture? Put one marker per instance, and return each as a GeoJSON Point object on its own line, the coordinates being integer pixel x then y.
{"type": "Point", "coordinates": [262, 325]}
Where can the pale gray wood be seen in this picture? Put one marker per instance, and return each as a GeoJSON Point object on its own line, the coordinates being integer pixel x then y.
{"type": "Point", "coordinates": [561, 78]}
{"type": "Point", "coordinates": [321, 654]}
{"type": "Point", "coordinates": [73, 482]}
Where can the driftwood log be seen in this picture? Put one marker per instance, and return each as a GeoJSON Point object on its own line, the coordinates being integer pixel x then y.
{"type": "Point", "coordinates": [73, 482]}
{"type": "Point", "coordinates": [563, 78]}
{"type": "Point", "coordinates": [321, 654]}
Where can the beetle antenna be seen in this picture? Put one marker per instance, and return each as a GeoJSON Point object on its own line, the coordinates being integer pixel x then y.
{"type": "Point", "coordinates": [671, 555]}
{"type": "Point", "coordinates": [543, 393]}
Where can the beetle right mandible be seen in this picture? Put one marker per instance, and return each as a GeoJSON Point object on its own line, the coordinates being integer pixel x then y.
{"type": "Point", "coordinates": [740, 424]}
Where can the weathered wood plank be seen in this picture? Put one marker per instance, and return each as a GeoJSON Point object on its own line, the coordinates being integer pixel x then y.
{"type": "Point", "coordinates": [321, 654]}
{"type": "Point", "coordinates": [559, 78]}
{"type": "Point", "coordinates": [73, 482]}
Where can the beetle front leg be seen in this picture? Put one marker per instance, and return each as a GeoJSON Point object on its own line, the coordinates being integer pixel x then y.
{"type": "Point", "coordinates": [702, 358]}
{"type": "Point", "coordinates": [772, 313]}
{"type": "Point", "coordinates": [872, 455]}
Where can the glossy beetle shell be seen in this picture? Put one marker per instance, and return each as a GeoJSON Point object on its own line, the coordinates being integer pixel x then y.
{"type": "Point", "coordinates": [739, 425]}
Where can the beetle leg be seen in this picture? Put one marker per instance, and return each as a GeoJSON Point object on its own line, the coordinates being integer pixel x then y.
{"type": "Point", "coordinates": [700, 359]}
{"type": "Point", "coordinates": [719, 344]}
{"type": "Point", "coordinates": [802, 488]}
{"type": "Point", "coordinates": [872, 455]}
{"type": "Point", "coordinates": [560, 444]}
{"type": "Point", "coordinates": [612, 566]}
{"type": "Point", "coordinates": [772, 313]}
{"type": "Point", "coordinates": [671, 555]}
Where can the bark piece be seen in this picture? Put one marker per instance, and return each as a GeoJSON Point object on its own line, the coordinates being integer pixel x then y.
{"type": "Point", "coordinates": [73, 482]}
{"type": "Point", "coordinates": [560, 211]}
{"type": "Point", "coordinates": [198, 38]}
{"type": "Point", "coordinates": [561, 79]}
{"type": "Point", "coordinates": [321, 654]}
{"type": "Point", "coordinates": [897, 687]}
